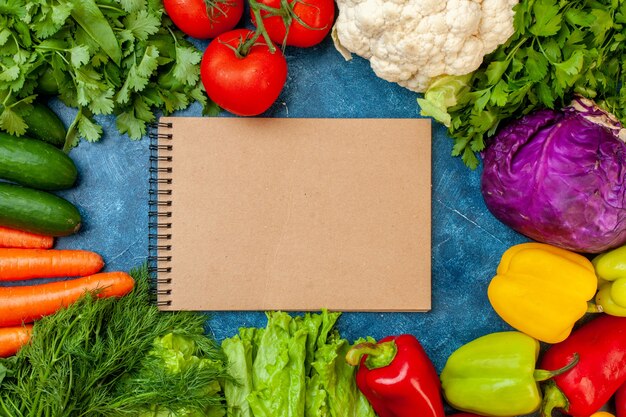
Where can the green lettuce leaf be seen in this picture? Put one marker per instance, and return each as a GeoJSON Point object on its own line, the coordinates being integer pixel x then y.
{"type": "Point", "coordinates": [278, 369]}
{"type": "Point", "coordinates": [238, 351]}
{"type": "Point", "coordinates": [441, 95]}
{"type": "Point", "coordinates": [178, 355]}
{"type": "Point", "coordinates": [295, 366]}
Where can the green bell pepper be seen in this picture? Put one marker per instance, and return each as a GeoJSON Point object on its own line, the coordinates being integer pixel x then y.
{"type": "Point", "coordinates": [611, 272]}
{"type": "Point", "coordinates": [495, 375]}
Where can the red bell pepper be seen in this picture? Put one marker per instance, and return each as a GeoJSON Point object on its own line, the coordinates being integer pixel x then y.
{"type": "Point", "coordinates": [620, 401]}
{"type": "Point", "coordinates": [601, 369]}
{"type": "Point", "coordinates": [397, 377]}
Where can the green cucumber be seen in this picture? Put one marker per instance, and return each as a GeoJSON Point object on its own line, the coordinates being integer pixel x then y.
{"type": "Point", "coordinates": [44, 124]}
{"type": "Point", "coordinates": [37, 211]}
{"type": "Point", "coordinates": [35, 164]}
{"type": "Point", "coordinates": [48, 84]}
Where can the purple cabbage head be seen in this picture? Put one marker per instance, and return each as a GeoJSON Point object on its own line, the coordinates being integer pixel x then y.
{"type": "Point", "coordinates": [559, 177]}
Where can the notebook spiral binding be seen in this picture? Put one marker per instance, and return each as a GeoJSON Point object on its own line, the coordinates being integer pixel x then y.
{"type": "Point", "coordinates": [160, 192]}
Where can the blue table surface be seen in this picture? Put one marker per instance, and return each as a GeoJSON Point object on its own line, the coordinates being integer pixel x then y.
{"type": "Point", "coordinates": [467, 241]}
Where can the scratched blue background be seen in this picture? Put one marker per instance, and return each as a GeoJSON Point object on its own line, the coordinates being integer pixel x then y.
{"type": "Point", "coordinates": [468, 241]}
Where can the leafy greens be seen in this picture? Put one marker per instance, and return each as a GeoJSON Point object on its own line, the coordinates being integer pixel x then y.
{"type": "Point", "coordinates": [560, 48]}
{"type": "Point", "coordinates": [295, 366]}
{"type": "Point", "coordinates": [121, 57]}
{"type": "Point", "coordinates": [110, 357]}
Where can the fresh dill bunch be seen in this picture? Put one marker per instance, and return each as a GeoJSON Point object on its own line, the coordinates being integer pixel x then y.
{"type": "Point", "coordinates": [104, 357]}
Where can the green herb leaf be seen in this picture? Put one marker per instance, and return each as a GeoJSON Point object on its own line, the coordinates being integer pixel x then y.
{"type": "Point", "coordinates": [142, 24]}
{"type": "Point", "coordinates": [579, 18]}
{"type": "Point", "coordinates": [545, 94]}
{"type": "Point", "coordinates": [5, 34]}
{"type": "Point", "coordinates": [79, 56]}
{"type": "Point", "coordinates": [470, 159]}
{"type": "Point", "coordinates": [602, 23]}
{"type": "Point", "coordinates": [139, 74]}
{"type": "Point", "coordinates": [89, 130]}
{"type": "Point", "coordinates": [12, 122]}
{"type": "Point", "coordinates": [88, 83]}
{"type": "Point", "coordinates": [10, 74]}
{"type": "Point", "coordinates": [60, 12]}
{"type": "Point", "coordinates": [142, 109]}
{"type": "Point", "coordinates": [174, 100]}
{"type": "Point", "coordinates": [51, 18]}
{"type": "Point", "coordinates": [536, 65]}
{"type": "Point", "coordinates": [547, 18]}
{"type": "Point", "coordinates": [128, 123]}
{"type": "Point", "coordinates": [133, 5]}
{"type": "Point", "coordinates": [567, 71]}
{"type": "Point", "coordinates": [551, 49]}
{"type": "Point", "coordinates": [460, 146]}
{"type": "Point", "coordinates": [481, 100]}
{"type": "Point", "coordinates": [102, 103]}
{"type": "Point", "coordinates": [495, 70]}
{"type": "Point", "coordinates": [186, 69]}
{"type": "Point", "coordinates": [499, 94]}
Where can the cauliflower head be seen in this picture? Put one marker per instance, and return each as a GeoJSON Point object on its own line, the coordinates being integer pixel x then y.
{"type": "Point", "coordinates": [413, 41]}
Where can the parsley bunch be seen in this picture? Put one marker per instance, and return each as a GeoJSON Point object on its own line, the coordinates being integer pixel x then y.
{"type": "Point", "coordinates": [560, 48]}
{"type": "Point", "coordinates": [121, 57]}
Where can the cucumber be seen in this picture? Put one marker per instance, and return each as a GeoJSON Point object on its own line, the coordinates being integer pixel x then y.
{"type": "Point", "coordinates": [35, 164]}
{"type": "Point", "coordinates": [44, 124]}
{"type": "Point", "coordinates": [48, 84]}
{"type": "Point", "coordinates": [37, 211]}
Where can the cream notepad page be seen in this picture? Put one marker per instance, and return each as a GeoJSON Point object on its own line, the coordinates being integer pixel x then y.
{"type": "Point", "coordinates": [294, 214]}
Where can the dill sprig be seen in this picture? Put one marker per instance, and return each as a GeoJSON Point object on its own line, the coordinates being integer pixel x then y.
{"type": "Point", "coordinates": [96, 358]}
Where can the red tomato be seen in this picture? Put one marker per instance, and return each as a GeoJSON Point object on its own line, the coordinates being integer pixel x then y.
{"type": "Point", "coordinates": [318, 14]}
{"type": "Point", "coordinates": [244, 86]}
{"type": "Point", "coordinates": [204, 19]}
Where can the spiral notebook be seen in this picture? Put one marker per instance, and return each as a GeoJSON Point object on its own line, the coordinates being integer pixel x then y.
{"type": "Point", "coordinates": [291, 214]}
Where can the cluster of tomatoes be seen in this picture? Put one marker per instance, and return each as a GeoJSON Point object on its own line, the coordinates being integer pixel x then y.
{"type": "Point", "coordinates": [244, 71]}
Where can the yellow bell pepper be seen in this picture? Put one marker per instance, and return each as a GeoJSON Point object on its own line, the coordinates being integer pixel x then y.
{"type": "Point", "coordinates": [602, 414]}
{"type": "Point", "coordinates": [611, 271]}
{"type": "Point", "coordinates": [542, 290]}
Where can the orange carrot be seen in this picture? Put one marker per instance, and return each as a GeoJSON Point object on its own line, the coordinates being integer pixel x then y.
{"type": "Point", "coordinates": [28, 303]}
{"type": "Point", "coordinates": [12, 238]}
{"type": "Point", "coordinates": [13, 338]}
{"type": "Point", "coordinates": [17, 264]}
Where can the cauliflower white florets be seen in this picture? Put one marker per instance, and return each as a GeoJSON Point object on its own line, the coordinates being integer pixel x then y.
{"type": "Point", "coordinates": [413, 41]}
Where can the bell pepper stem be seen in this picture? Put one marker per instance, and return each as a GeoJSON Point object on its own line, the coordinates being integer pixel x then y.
{"type": "Point", "coordinates": [594, 308]}
{"type": "Point", "coordinates": [553, 398]}
{"type": "Point", "coordinates": [543, 375]}
{"type": "Point", "coordinates": [379, 355]}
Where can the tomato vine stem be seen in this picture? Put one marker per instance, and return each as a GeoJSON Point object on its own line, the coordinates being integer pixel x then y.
{"type": "Point", "coordinates": [286, 12]}
{"type": "Point", "coordinates": [245, 46]}
{"type": "Point", "coordinates": [259, 12]}
{"type": "Point", "coordinates": [213, 5]}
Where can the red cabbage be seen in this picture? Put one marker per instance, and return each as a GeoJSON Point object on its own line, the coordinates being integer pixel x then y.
{"type": "Point", "coordinates": [559, 177]}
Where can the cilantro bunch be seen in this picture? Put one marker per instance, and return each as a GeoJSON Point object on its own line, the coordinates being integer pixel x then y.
{"type": "Point", "coordinates": [121, 57]}
{"type": "Point", "coordinates": [560, 48]}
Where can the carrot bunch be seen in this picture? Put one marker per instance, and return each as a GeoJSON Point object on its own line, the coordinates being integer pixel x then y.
{"type": "Point", "coordinates": [25, 256]}
{"type": "Point", "coordinates": [11, 238]}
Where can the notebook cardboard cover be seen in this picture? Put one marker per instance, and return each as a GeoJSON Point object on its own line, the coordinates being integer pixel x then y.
{"type": "Point", "coordinates": [296, 214]}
